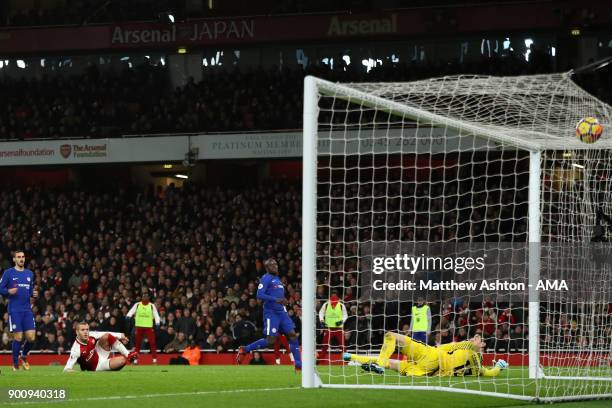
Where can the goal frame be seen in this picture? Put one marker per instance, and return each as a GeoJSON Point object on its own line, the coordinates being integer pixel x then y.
{"type": "Point", "coordinates": [312, 88]}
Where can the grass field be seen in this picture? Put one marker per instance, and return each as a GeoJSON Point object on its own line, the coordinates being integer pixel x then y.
{"type": "Point", "coordinates": [514, 380]}
{"type": "Point", "coordinates": [244, 386]}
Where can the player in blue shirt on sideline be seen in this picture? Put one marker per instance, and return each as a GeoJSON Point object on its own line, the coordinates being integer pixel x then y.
{"type": "Point", "coordinates": [276, 318]}
{"type": "Point", "coordinates": [18, 284]}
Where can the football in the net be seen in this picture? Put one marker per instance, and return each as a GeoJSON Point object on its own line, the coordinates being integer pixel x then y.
{"type": "Point", "coordinates": [589, 130]}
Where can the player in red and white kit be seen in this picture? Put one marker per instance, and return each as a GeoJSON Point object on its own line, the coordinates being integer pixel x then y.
{"type": "Point", "coordinates": [91, 350]}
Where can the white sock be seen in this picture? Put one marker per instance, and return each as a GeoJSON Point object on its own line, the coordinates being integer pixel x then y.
{"type": "Point", "coordinates": [118, 346]}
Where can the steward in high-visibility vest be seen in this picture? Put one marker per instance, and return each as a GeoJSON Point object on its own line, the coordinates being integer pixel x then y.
{"type": "Point", "coordinates": [333, 315]}
{"type": "Point", "coordinates": [192, 353]}
{"type": "Point", "coordinates": [145, 314]}
{"type": "Point", "coordinates": [420, 324]}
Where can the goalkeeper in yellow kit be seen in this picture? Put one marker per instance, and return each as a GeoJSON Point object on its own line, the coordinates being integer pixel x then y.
{"type": "Point", "coordinates": [454, 359]}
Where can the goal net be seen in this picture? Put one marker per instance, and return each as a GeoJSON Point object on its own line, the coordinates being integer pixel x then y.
{"type": "Point", "coordinates": [453, 207]}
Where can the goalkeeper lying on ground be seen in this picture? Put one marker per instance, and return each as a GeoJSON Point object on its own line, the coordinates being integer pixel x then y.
{"type": "Point", "coordinates": [454, 359]}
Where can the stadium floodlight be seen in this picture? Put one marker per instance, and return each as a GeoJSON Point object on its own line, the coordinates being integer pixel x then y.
{"type": "Point", "coordinates": [166, 17]}
{"type": "Point", "coordinates": [486, 163]}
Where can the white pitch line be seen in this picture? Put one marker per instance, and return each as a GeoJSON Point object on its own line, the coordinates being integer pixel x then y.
{"type": "Point", "coordinates": [173, 394]}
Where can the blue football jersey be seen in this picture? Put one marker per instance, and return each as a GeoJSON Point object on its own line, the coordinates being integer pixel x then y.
{"type": "Point", "coordinates": [24, 282]}
{"type": "Point", "coordinates": [269, 290]}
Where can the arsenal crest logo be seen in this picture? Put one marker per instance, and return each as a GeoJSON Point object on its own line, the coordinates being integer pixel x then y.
{"type": "Point", "coordinates": [65, 150]}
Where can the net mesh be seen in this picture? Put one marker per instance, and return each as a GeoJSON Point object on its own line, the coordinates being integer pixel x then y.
{"type": "Point", "coordinates": [415, 167]}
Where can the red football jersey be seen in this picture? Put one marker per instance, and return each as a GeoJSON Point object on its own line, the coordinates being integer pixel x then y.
{"type": "Point", "coordinates": [88, 356]}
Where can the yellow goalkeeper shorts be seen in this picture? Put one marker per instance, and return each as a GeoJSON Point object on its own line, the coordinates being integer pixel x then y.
{"type": "Point", "coordinates": [421, 359]}
{"type": "Point", "coordinates": [408, 368]}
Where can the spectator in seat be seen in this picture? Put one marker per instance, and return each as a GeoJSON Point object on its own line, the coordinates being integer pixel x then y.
{"type": "Point", "coordinates": [224, 343]}
{"type": "Point", "coordinates": [445, 336]}
{"type": "Point", "coordinates": [5, 342]}
{"type": "Point", "coordinates": [186, 324]}
{"type": "Point", "coordinates": [75, 279]}
{"type": "Point", "coordinates": [171, 321]}
{"type": "Point", "coordinates": [202, 333]}
{"type": "Point", "coordinates": [243, 330]}
{"type": "Point", "coordinates": [211, 342]}
{"type": "Point", "coordinates": [46, 325]}
{"type": "Point", "coordinates": [461, 334]}
{"type": "Point", "coordinates": [517, 340]}
{"type": "Point", "coordinates": [51, 345]}
{"type": "Point", "coordinates": [257, 359]}
{"type": "Point", "coordinates": [506, 317]}
{"type": "Point", "coordinates": [61, 343]}
{"type": "Point", "coordinates": [164, 336]}
{"type": "Point", "coordinates": [488, 324]}
{"type": "Point", "coordinates": [177, 344]}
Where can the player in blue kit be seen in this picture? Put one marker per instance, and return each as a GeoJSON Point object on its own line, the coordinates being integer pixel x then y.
{"type": "Point", "coordinates": [18, 284]}
{"type": "Point", "coordinates": [276, 318]}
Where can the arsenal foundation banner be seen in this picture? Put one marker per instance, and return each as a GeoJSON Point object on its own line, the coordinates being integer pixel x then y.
{"type": "Point", "coordinates": [262, 29]}
{"type": "Point", "coordinates": [83, 151]}
{"type": "Point", "coordinates": [265, 145]}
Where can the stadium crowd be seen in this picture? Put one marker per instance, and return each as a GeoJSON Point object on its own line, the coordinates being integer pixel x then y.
{"type": "Point", "coordinates": [199, 252]}
{"type": "Point", "coordinates": [141, 100]}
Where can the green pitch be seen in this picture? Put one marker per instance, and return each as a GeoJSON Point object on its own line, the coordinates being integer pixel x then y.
{"type": "Point", "coordinates": [232, 386]}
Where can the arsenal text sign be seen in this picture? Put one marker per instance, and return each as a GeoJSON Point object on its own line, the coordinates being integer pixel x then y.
{"type": "Point", "coordinates": [197, 32]}
{"type": "Point", "coordinates": [274, 29]}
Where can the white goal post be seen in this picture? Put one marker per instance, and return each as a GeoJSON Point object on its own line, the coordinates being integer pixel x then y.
{"type": "Point", "coordinates": [481, 165]}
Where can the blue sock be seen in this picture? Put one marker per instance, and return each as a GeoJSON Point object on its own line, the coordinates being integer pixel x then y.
{"type": "Point", "coordinates": [294, 346]}
{"type": "Point", "coordinates": [261, 343]}
{"type": "Point", "coordinates": [16, 350]}
{"type": "Point", "coordinates": [26, 348]}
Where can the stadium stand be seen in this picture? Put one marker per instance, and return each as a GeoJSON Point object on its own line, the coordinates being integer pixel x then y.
{"type": "Point", "coordinates": [142, 101]}
{"type": "Point", "coordinates": [94, 252]}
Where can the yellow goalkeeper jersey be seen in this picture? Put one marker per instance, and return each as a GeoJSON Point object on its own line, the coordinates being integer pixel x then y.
{"type": "Point", "coordinates": [461, 359]}
{"type": "Point", "coordinates": [454, 359]}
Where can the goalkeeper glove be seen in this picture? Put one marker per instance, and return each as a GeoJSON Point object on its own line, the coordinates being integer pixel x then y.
{"type": "Point", "coordinates": [339, 323]}
{"type": "Point", "coordinates": [501, 364]}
